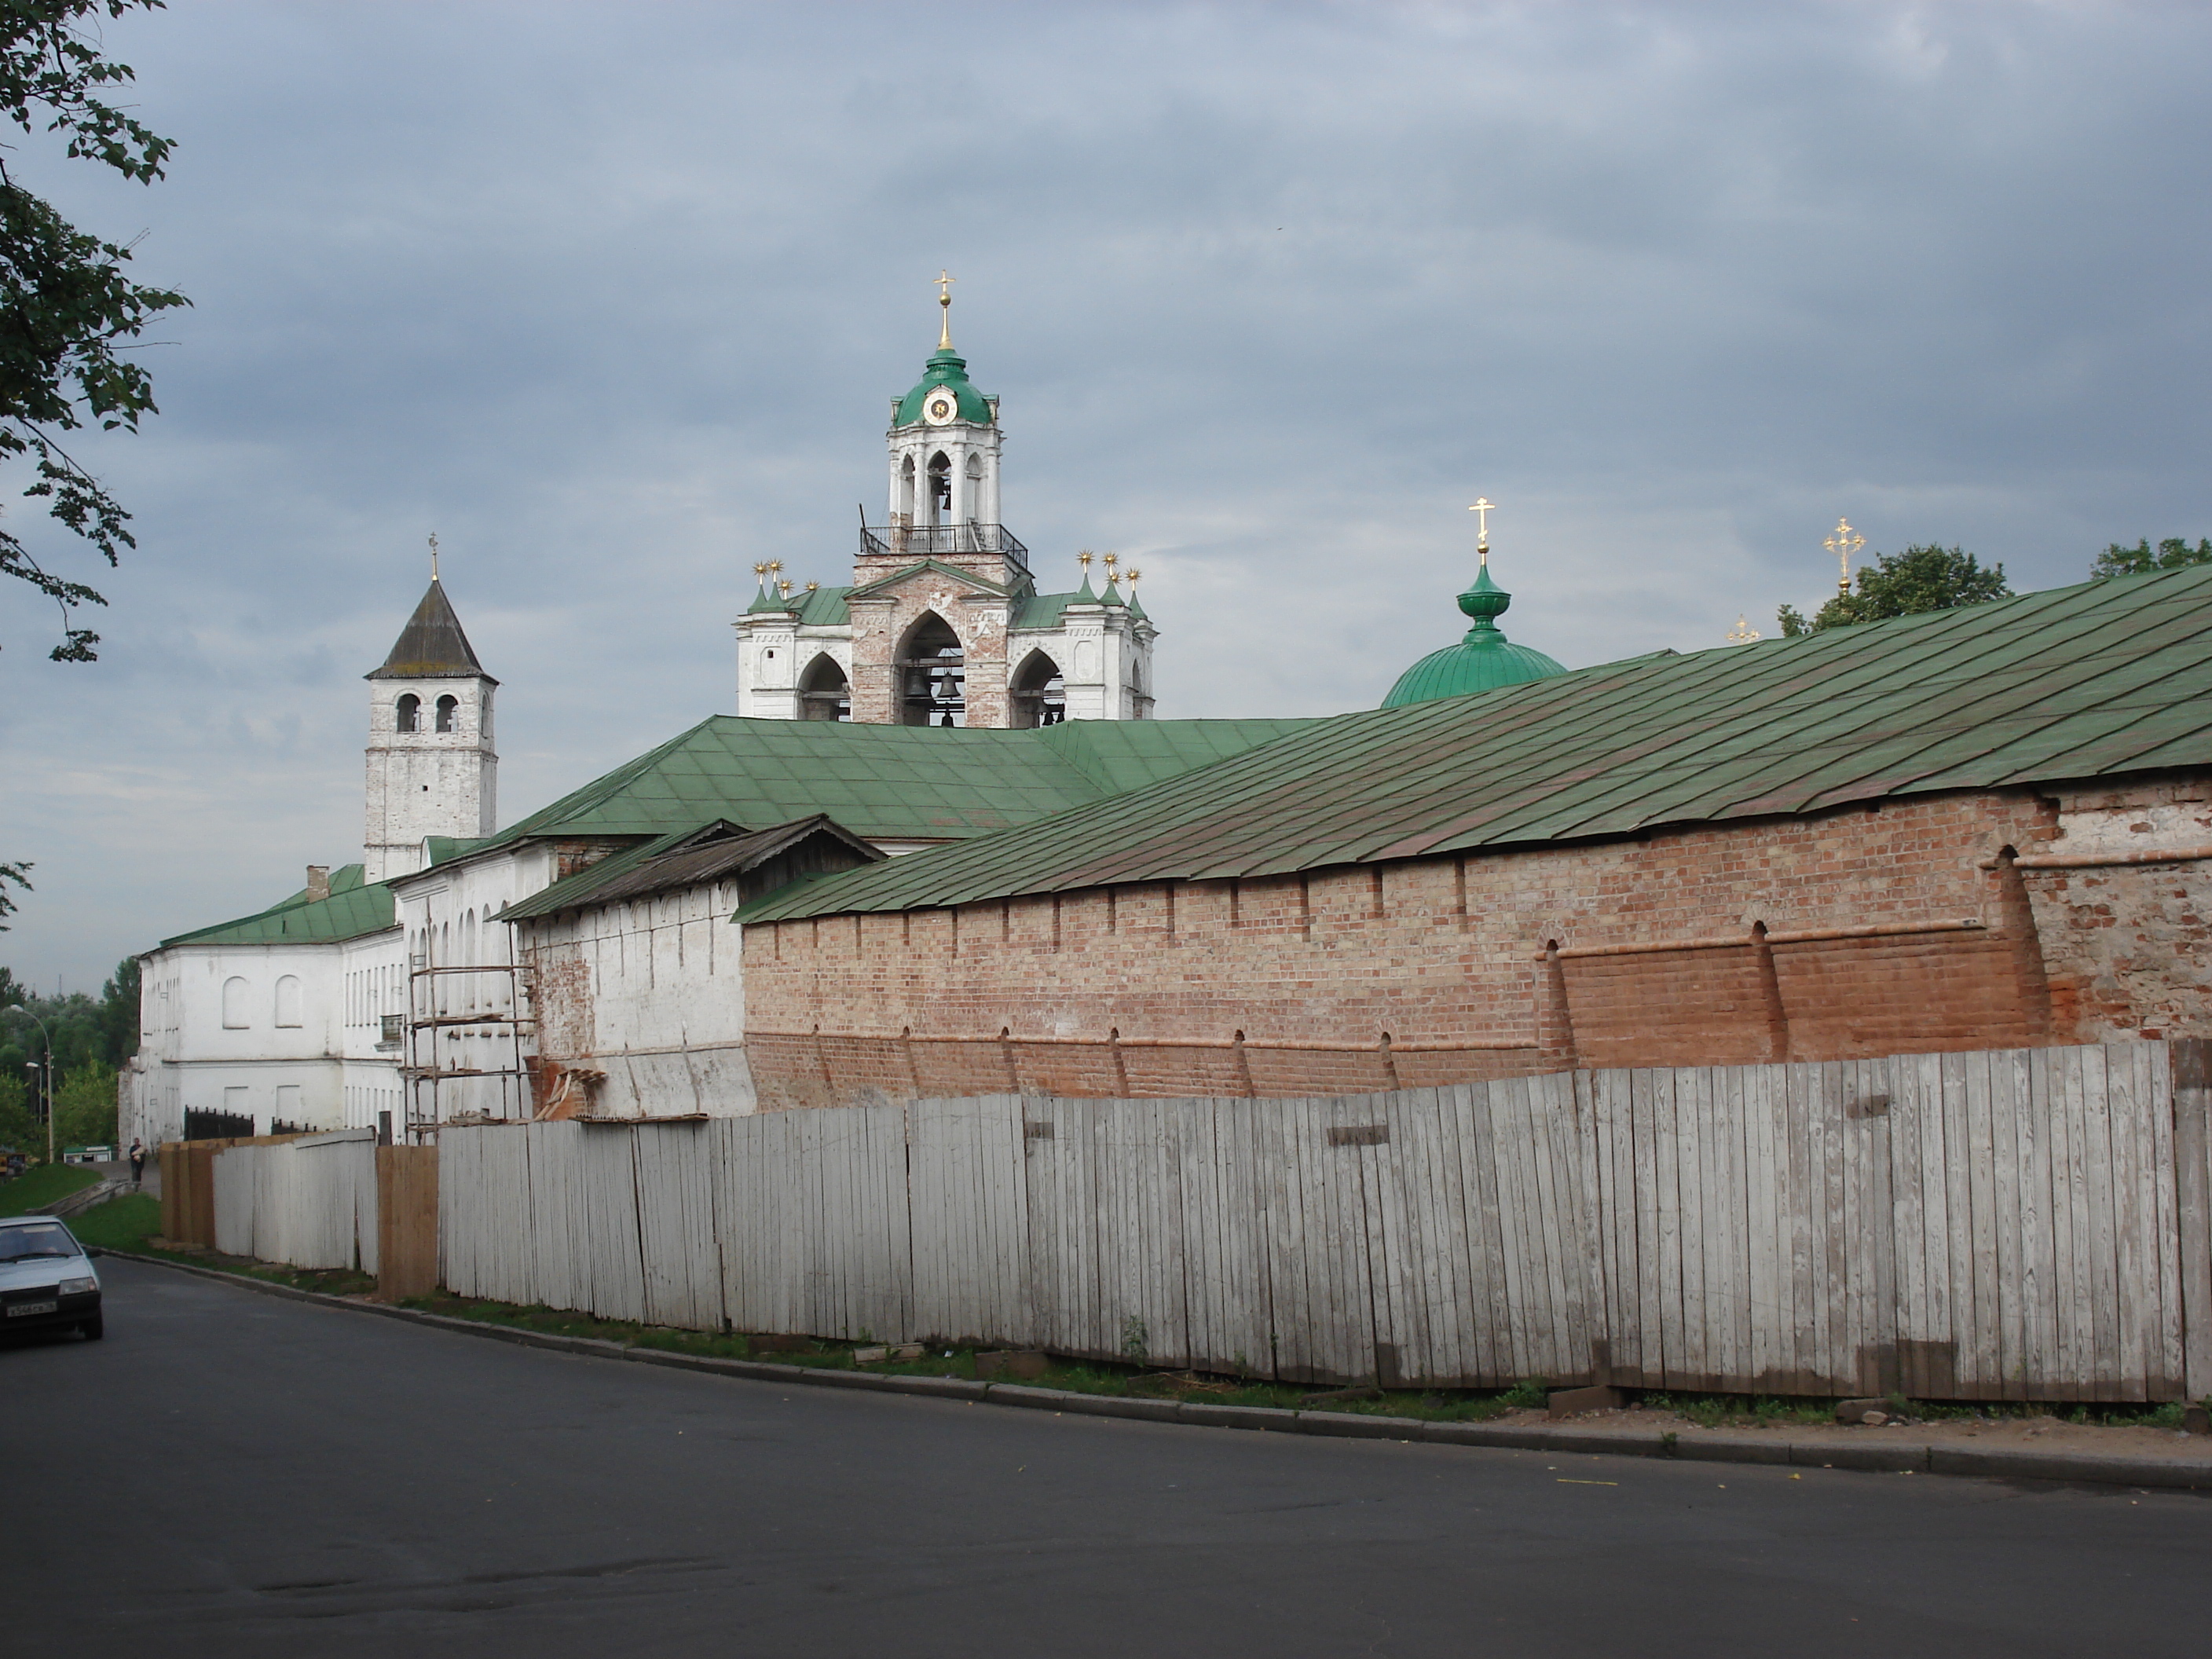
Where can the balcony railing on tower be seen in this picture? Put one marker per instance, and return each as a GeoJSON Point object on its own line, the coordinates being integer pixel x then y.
{"type": "Point", "coordinates": [923, 541]}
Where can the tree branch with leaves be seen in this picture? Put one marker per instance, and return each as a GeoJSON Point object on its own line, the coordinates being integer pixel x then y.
{"type": "Point", "coordinates": [68, 309]}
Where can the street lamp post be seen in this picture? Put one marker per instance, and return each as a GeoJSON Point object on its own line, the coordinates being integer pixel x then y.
{"type": "Point", "coordinates": [33, 1066]}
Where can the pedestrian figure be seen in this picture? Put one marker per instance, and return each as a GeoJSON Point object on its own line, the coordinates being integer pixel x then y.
{"type": "Point", "coordinates": [137, 1162]}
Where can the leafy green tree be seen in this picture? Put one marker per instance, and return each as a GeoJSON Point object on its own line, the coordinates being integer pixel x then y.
{"type": "Point", "coordinates": [2140, 561]}
{"type": "Point", "coordinates": [84, 1106]}
{"type": "Point", "coordinates": [119, 1013]}
{"type": "Point", "coordinates": [15, 875]}
{"type": "Point", "coordinates": [67, 309]}
{"type": "Point", "coordinates": [1920, 579]}
{"type": "Point", "coordinates": [20, 1127]}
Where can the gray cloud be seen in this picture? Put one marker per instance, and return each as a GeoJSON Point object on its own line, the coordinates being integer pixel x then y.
{"type": "Point", "coordinates": [614, 297]}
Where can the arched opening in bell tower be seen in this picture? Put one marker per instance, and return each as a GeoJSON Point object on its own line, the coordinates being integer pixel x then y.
{"type": "Point", "coordinates": [903, 513]}
{"type": "Point", "coordinates": [823, 692]}
{"type": "Point", "coordinates": [940, 487]}
{"type": "Point", "coordinates": [1040, 693]}
{"type": "Point", "coordinates": [932, 675]}
{"type": "Point", "coordinates": [407, 712]}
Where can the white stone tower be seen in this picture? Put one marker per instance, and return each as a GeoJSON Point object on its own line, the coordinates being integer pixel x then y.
{"type": "Point", "coordinates": [432, 770]}
{"type": "Point", "coordinates": [943, 624]}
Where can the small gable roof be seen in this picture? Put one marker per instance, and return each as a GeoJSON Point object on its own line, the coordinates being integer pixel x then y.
{"type": "Point", "coordinates": [713, 852]}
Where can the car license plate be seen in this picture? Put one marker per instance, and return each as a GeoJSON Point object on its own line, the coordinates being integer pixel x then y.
{"type": "Point", "coordinates": [22, 1308]}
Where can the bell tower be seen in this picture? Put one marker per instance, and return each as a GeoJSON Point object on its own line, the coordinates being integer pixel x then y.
{"type": "Point", "coordinates": [432, 770]}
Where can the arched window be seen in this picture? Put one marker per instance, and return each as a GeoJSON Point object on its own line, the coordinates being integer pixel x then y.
{"type": "Point", "coordinates": [1039, 695]}
{"type": "Point", "coordinates": [409, 714]}
{"type": "Point", "coordinates": [932, 675]}
{"type": "Point", "coordinates": [233, 1004]}
{"type": "Point", "coordinates": [290, 1005]}
{"type": "Point", "coordinates": [448, 706]}
{"type": "Point", "coordinates": [941, 487]}
{"type": "Point", "coordinates": [824, 693]}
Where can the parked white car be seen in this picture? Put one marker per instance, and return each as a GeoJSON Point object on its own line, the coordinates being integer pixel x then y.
{"type": "Point", "coordinates": [46, 1278]}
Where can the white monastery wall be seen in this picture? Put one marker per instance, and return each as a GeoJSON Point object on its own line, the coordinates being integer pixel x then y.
{"type": "Point", "coordinates": [648, 995]}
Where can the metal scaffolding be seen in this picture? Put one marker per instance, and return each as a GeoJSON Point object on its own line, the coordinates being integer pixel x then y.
{"type": "Point", "coordinates": [426, 1076]}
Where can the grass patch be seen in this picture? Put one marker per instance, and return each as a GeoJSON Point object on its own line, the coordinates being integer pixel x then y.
{"type": "Point", "coordinates": [41, 1185]}
{"type": "Point", "coordinates": [120, 1224]}
{"type": "Point", "coordinates": [132, 1221]}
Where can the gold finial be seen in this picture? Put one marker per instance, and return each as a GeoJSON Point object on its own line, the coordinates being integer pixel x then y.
{"type": "Point", "coordinates": [1483, 508]}
{"type": "Point", "coordinates": [811, 587]}
{"type": "Point", "coordinates": [433, 556]}
{"type": "Point", "coordinates": [1084, 558]}
{"type": "Point", "coordinates": [1131, 575]}
{"type": "Point", "coordinates": [945, 283]}
{"type": "Point", "coordinates": [1743, 633]}
{"type": "Point", "coordinates": [785, 586]}
{"type": "Point", "coordinates": [1845, 543]}
{"type": "Point", "coordinates": [1110, 557]}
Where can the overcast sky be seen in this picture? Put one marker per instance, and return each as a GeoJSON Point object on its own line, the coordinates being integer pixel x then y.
{"type": "Point", "coordinates": [613, 298]}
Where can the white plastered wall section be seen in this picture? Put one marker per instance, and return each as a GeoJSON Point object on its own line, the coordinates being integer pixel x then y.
{"type": "Point", "coordinates": [773, 654]}
{"type": "Point", "coordinates": [663, 1019]}
{"type": "Point", "coordinates": [257, 1030]}
{"type": "Point", "coordinates": [448, 917]}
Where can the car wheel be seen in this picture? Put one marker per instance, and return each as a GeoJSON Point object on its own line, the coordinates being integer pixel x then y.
{"type": "Point", "coordinates": [91, 1328]}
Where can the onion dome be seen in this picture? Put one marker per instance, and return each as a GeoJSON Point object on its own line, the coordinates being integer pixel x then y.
{"type": "Point", "coordinates": [947, 377]}
{"type": "Point", "coordinates": [1483, 660]}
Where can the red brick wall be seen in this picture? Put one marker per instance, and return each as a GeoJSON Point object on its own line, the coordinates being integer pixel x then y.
{"type": "Point", "coordinates": [881, 622]}
{"type": "Point", "coordinates": [1427, 971]}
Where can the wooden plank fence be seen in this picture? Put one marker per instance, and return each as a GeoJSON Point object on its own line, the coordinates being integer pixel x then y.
{"type": "Point", "coordinates": [2022, 1224]}
{"type": "Point", "coordinates": [309, 1202]}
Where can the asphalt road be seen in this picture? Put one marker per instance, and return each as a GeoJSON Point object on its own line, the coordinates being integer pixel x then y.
{"type": "Point", "coordinates": [232, 1473]}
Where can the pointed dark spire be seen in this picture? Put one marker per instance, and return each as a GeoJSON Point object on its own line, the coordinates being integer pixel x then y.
{"type": "Point", "coordinates": [432, 646]}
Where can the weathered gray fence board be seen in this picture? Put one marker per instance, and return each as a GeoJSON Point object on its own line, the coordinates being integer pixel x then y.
{"type": "Point", "coordinates": [2025, 1224]}
{"type": "Point", "coordinates": [969, 1218]}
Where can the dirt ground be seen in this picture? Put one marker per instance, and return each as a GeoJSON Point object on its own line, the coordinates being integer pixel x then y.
{"type": "Point", "coordinates": [2025, 1433]}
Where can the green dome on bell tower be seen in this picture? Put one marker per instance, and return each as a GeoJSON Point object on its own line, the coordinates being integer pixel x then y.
{"type": "Point", "coordinates": [1483, 660]}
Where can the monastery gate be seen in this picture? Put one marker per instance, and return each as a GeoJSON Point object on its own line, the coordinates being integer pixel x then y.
{"type": "Point", "coordinates": [2018, 1225]}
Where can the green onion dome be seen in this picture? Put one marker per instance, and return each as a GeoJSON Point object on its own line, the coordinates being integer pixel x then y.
{"type": "Point", "coordinates": [1482, 661]}
{"type": "Point", "coordinates": [948, 373]}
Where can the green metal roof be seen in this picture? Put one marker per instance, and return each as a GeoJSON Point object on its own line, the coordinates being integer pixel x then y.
{"type": "Point", "coordinates": [2113, 677]}
{"type": "Point", "coordinates": [1046, 610]}
{"type": "Point", "coordinates": [882, 783]}
{"type": "Point", "coordinates": [355, 907]}
{"type": "Point", "coordinates": [1483, 660]}
{"type": "Point", "coordinates": [949, 371]}
{"type": "Point", "coordinates": [822, 607]}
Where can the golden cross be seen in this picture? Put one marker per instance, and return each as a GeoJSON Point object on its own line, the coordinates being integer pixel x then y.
{"type": "Point", "coordinates": [433, 556]}
{"type": "Point", "coordinates": [1482, 509]}
{"type": "Point", "coordinates": [944, 282]}
{"type": "Point", "coordinates": [1845, 543]}
{"type": "Point", "coordinates": [1743, 633]}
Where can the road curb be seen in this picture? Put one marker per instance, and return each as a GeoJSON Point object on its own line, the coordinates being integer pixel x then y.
{"type": "Point", "coordinates": [1993, 1463]}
